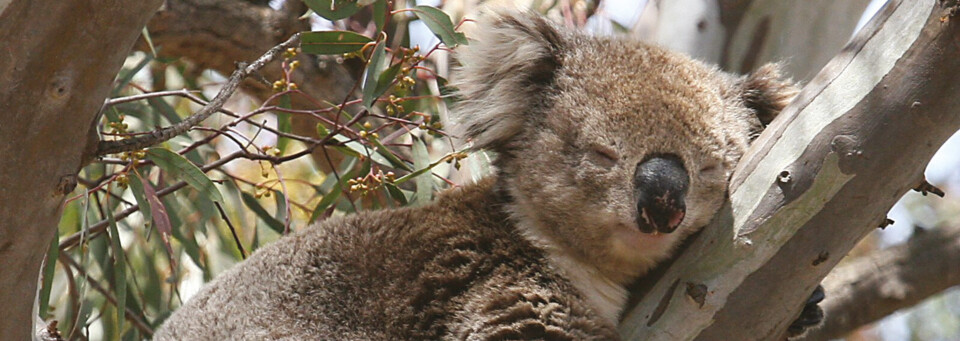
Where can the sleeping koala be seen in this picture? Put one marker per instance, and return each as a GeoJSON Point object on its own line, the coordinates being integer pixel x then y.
{"type": "Point", "coordinates": [609, 153]}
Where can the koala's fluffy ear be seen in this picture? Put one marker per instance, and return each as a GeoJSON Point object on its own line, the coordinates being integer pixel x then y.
{"type": "Point", "coordinates": [767, 92]}
{"type": "Point", "coordinates": [504, 74]}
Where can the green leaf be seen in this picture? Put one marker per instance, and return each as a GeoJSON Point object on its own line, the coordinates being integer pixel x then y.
{"type": "Point", "coordinates": [127, 75]}
{"type": "Point", "coordinates": [254, 205]}
{"type": "Point", "coordinates": [283, 122]}
{"type": "Point", "coordinates": [281, 202]}
{"type": "Point", "coordinates": [332, 42]}
{"type": "Point", "coordinates": [179, 167]}
{"type": "Point", "coordinates": [49, 266]}
{"type": "Point", "coordinates": [380, 14]}
{"type": "Point", "coordinates": [385, 80]}
{"type": "Point", "coordinates": [333, 9]}
{"type": "Point", "coordinates": [440, 24]}
{"type": "Point", "coordinates": [375, 67]}
{"type": "Point", "coordinates": [393, 159]}
{"type": "Point", "coordinates": [330, 197]}
{"type": "Point", "coordinates": [421, 160]}
{"type": "Point", "coordinates": [396, 193]}
{"type": "Point", "coordinates": [382, 156]}
{"type": "Point", "coordinates": [136, 187]}
{"type": "Point", "coordinates": [146, 36]}
{"type": "Point", "coordinates": [119, 268]}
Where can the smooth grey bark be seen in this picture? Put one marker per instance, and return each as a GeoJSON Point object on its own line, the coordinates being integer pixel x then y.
{"type": "Point", "coordinates": [821, 177]}
{"type": "Point", "coordinates": [57, 63]}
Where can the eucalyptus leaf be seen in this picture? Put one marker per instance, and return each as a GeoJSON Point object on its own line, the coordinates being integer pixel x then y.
{"type": "Point", "coordinates": [332, 42]}
{"type": "Point", "coordinates": [181, 168]}
{"type": "Point", "coordinates": [380, 14]}
{"type": "Point", "coordinates": [119, 268]}
{"type": "Point", "coordinates": [255, 206]}
{"type": "Point", "coordinates": [333, 9]}
{"type": "Point", "coordinates": [440, 24]}
{"type": "Point", "coordinates": [136, 187]}
{"type": "Point", "coordinates": [375, 66]}
{"type": "Point", "coordinates": [421, 160]}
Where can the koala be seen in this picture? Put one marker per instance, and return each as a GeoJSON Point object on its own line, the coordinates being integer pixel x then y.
{"type": "Point", "coordinates": [608, 152]}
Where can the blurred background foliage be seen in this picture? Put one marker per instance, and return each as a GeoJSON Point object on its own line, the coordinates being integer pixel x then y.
{"type": "Point", "coordinates": [274, 161]}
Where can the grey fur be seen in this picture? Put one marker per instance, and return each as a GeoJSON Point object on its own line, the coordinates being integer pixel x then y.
{"type": "Point", "coordinates": [542, 249]}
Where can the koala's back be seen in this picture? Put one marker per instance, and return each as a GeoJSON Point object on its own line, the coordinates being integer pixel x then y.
{"type": "Point", "coordinates": [456, 269]}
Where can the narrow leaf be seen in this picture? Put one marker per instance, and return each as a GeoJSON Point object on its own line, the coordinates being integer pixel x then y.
{"type": "Point", "coordinates": [254, 205]}
{"type": "Point", "coordinates": [440, 24]}
{"type": "Point", "coordinates": [136, 187]}
{"type": "Point", "coordinates": [181, 168]}
{"type": "Point", "coordinates": [421, 160]}
{"type": "Point", "coordinates": [284, 123]}
{"type": "Point", "coordinates": [396, 193]}
{"type": "Point", "coordinates": [333, 9]}
{"type": "Point", "coordinates": [127, 75]}
{"type": "Point", "coordinates": [119, 268]}
{"type": "Point", "coordinates": [385, 80]}
{"type": "Point", "coordinates": [380, 14]}
{"type": "Point", "coordinates": [358, 150]}
{"type": "Point", "coordinates": [161, 220]}
{"type": "Point", "coordinates": [375, 66]}
{"type": "Point", "coordinates": [332, 42]}
{"type": "Point", "coordinates": [393, 159]}
{"type": "Point", "coordinates": [49, 266]}
{"type": "Point", "coordinates": [330, 197]}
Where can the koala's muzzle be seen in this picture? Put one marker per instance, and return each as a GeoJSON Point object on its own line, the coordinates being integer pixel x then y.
{"type": "Point", "coordinates": [660, 183]}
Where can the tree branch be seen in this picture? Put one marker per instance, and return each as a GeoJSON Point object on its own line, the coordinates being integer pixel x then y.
{"type": "Point", "coordinates": [215, 34]}
{"type": "Point", "coordinates": [871, 287]}
{"type": "Point", "coordinates": [854, 141]}
{"type": "Point", "coordinates": [166, 133]}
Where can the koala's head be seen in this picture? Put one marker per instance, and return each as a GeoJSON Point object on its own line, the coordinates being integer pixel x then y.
{"type": "Point", "coordinates": [613, 150]}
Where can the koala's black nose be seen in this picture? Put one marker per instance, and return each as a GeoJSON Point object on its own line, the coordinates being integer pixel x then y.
{"type": "Point", "coordinates": [660, 183]}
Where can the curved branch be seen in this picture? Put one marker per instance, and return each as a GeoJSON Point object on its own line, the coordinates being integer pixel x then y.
{"type": "Point", "coordinates": [166, 133]}
{"type": "Point", "coordinates": [873, 286]}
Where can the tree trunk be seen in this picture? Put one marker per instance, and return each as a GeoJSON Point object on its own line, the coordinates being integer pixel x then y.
{"type": "Point", "coordinates": [57, 61]}
{"type": "Point", "coordinates": [817, 180]}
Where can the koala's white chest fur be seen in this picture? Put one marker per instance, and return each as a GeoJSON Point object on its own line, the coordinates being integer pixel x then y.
{"type": "Point", "coordinates": [603, 294]}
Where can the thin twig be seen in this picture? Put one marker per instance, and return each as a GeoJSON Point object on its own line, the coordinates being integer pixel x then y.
{"type": "Point", "coordinates": [163, 134]}
{"type": "Point", "coordinates": [236, 239]}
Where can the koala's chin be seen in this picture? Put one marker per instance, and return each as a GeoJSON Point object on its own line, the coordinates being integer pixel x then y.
{"type": "Point", "coordinates": [608, 154]}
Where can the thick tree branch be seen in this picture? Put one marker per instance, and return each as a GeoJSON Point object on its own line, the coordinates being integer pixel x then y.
{"type": "Point", "coordinates": [854, 141]}
{"type": "Point", "coordinates": [166, 133]}
{"type": "Point", "coordinates": [215, 34]}
{"type": "Point", "coordinates": [871, 287]}
{"type": "Point", "coordinates": [57, 61]}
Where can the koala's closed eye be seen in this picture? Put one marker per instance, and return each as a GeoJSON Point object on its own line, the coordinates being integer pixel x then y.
{"type": "Point", "coordinates": [604, 156]}
{"type": "Point", "coordinates": [710, 169]}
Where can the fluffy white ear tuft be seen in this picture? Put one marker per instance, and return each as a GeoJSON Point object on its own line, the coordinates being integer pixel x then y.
{"type": "Point", "coordinates": [504, 75]}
